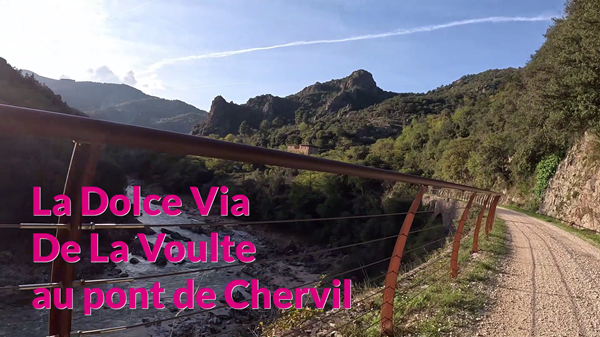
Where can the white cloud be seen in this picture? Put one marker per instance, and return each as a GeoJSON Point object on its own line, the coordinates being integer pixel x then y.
{"type": "Point", "coordinates": [103, 74]}
{"type": "Point", "coordinates": [130, 78]}
{"type": "Point", "coordinates": [52, 38]}
{"type": "Point", "coordinates": [151, 83]}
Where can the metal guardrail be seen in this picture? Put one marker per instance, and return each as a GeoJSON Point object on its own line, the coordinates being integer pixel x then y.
{"type": "Point", "coordinates": [25, 121]}
{"type": "Point", "coordinates": [90, 135]}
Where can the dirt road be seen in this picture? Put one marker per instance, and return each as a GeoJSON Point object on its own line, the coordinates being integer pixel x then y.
{"type": "Point", "coordinates": [549, 285]}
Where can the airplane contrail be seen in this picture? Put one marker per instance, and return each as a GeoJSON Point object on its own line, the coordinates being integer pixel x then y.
{"type": "Point", "coordinates": [130, 9]}
{"type": "Point", "coordinates": [409, 31]}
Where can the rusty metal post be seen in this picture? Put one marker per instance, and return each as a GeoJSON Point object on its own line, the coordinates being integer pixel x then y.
{"type": "Point", "coordinates": [496, 201]}
{"type": "Point", "coordinates": [457, 237]}
{"type": "Point", "coordinates": [478, 225]}
{"type": "Point", "coordinates": [491, 216]}
{"type": "Point", "coordinates": [498, 197]}
{"type": "Point", "coordinates": [387, 308]}
{"type": "Point", "coordinates": [81, 173]}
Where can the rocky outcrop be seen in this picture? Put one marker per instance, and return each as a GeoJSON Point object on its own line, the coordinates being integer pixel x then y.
{"type": "Point", "coordinates": [274, 107]}
{"type": "Point", "coordinates": [358, 80]}
{"type": "Point", "coordinates": [574, 191]}
{"type": "Point", "coordinates": [351, 93]}
{"type": "Point", "coordinates": [225, 118]}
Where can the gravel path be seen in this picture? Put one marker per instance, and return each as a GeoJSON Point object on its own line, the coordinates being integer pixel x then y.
{"type": "Point", "coordinates": [549, 285]}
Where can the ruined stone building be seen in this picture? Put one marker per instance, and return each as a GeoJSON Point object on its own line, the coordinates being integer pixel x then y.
{"type": "Point", "coordinates": [303, 149]}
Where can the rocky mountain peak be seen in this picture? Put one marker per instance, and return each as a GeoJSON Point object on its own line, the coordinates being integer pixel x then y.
{"type": "Point", "coordinates": [351, 93]}
{"type": "Point", "coordinates": [217, 103]}
{"type": "Point", "coordinates": [359, 79]}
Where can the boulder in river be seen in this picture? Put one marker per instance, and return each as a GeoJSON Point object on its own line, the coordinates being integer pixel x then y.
{"type": "Point", "coordinates": [180, 237]}
{"type": "Point", "coordinates": [135, 247]}
{"type": "Point", "coordinates": [149, 231]}
{"type": "Point", "coordinates": [238, 296]}
{"type": "Point", "coordinates": [214, 319]}
{"type": "Point", "coordinates": [161, 260]}
{"type": "Point", "coordinates": [195, 229]}
{"type": "Point", "coordinates": [291, 248]}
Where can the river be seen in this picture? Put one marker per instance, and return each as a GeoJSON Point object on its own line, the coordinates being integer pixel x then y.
{"type": "Point", "coordinates": [21, 319]}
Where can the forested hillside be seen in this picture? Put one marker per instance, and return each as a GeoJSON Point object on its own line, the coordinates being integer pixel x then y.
{"type": "Point", "coordinates": [504, 130]}
{"type": "Point", "coordinates": [125, 104]}
{"type": "Point", "coordinates": [26, 161]}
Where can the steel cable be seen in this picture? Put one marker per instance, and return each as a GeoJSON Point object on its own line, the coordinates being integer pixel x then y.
{"type": "Point", "coordinates": [121, 328]}
{"type": "Point", "coordinates": [93, 226]}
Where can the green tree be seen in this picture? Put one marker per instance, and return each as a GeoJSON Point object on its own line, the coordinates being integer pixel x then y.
{"type": "Point", "coordinates": [244, 129]}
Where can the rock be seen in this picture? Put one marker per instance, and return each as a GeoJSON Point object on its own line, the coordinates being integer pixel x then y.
{"type": "Point", "coordinates": [307, 258]}
{"type": "Point", "coordinates": [226, 232]}
{"type": "Point", "coordinates": [180, 237]}
{"type": "Point", "coordinates": [260, 255]}
{"type": "Point", "coordinates": [155, 202]}
{"type": "Point", "coordinates": [117, 235]}
{"type": "Point", "coordinates": [214, 320]}
{"type": "Point", "coordinates": [161, 260]}
{"type": "Point", "coordinates": [248, 269]}
{"type": "Point", "coordinates": [241, 316]}
{"type": "Point", "coordinates": [291, 248]}
{"type": "Point", "coordinates": [124, 274]}
{"type": "Point", "coordinates": [166, 231]}
{"type": "Point", "coordinates": [5, 257]}
{"type": "Point", "coordinates": [149, 231]}
{"type": "Point", "coordinates": [573, 193]}
{"type": "Point", "coordinates": [135, 248]}
{"type": "Point", "coordinates": [238, 296]}
{"type": "Point", "coordinates": [195, 229]}
{"type": "Point", "coordinates": [199, 230]}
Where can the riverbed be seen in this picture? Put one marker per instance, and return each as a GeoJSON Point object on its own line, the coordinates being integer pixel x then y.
{"type": "Point", "coordinates": [21, 319]}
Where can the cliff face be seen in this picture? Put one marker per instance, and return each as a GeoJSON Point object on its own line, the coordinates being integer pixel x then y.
{"type": "Point", "coordinates": [573, 193]}
{"type": "Point", "coordinates": [225, 117]}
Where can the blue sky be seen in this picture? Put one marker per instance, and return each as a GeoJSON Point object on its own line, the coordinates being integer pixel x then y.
{"type": "Point", "coordinates": [105, 40]}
